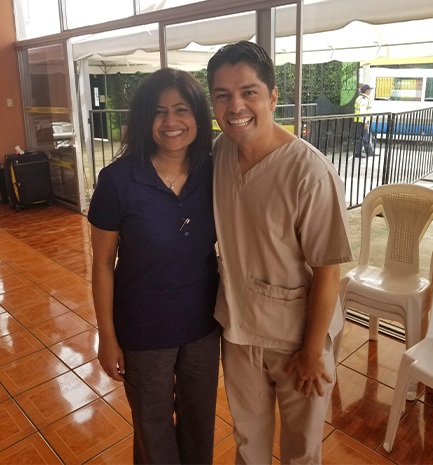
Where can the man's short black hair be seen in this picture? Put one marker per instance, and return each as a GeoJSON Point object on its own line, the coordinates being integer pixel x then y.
{"type": "Point", "coordinates": [246, 52]}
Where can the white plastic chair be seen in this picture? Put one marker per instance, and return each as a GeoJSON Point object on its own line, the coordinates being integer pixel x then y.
{"type": "Point", "coordinates": [394, 291]}
{"type": "Point", "coordinates": [416, 363]}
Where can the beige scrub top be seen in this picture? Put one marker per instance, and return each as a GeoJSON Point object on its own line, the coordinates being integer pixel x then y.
{"type": "Point", "coordinates": [284, 216]}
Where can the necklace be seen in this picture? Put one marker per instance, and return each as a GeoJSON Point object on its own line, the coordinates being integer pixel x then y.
{"type": "Point", "coordinates": [171, 186]}
{"type": "Point", "coordinates": [171, 183]}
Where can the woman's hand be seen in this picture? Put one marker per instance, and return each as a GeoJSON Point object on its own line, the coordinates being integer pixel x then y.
{"type": "Point", "coordinates": [110, 356]}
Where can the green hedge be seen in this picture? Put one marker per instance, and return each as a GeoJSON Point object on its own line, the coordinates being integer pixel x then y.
{"type": "Point", "coordinates": [338, 81]}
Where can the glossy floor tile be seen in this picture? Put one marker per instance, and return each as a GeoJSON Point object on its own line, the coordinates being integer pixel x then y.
{"type": "Point", "coordinates": [120, 453]}
{"type": "Point", "coordinates": [86, 432]}
{"type": "Point", "coordinates": [29, 371]}
{"type": "Point", "coordinates": [31, 450]}
{"type": "Point", "coordinates": [57, 406]}
{"type": "Point", "coordinates": [117, 399]}
{"type": "Point", "coordinates": [340, 449]}
{"type": "Point", "coordinates": [14, 424]}
{"type": "Point", "coordinates": [54, 399]}
{"type": "Point", "coordinates": [18, 345]}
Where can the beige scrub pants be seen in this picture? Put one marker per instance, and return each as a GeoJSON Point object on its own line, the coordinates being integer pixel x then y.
{"type": "Point", "coordinates": [255, 379]}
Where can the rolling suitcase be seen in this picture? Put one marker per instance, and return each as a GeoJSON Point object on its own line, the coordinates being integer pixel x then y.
{"type": "Point", "coordinates": [3, 191]}
{"type": "Point", "coordinates": [28, 179]}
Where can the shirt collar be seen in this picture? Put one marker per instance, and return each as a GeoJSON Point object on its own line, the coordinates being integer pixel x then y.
{"type": "Point", "coordinates": [144, 172]}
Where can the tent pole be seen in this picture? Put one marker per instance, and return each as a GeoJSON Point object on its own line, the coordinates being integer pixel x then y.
{"type": "Point", "coordinates": [265, 27]}
{"type": "Point", "coordinates": [162, 44]}
{"type": "Point", "coordinates": [298, 66]}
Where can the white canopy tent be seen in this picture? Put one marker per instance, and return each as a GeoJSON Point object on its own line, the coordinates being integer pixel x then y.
{"type": "Point", "coordinates": [362, 42]}
{"type": "Point", "coordinates": [343, 30]}
{"type": "Point", "coordinates": [356, 42]}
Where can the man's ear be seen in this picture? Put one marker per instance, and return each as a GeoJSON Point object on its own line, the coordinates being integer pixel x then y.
{"type": "Point", "coordinates": [274, 98]}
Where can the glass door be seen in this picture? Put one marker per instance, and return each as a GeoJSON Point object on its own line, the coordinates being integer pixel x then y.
{"type": "Point", "coordinates": [49, 100]}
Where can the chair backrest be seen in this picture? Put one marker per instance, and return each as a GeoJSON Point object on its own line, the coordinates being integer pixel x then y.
{"type": "Point", "coordinates": [408, 212]}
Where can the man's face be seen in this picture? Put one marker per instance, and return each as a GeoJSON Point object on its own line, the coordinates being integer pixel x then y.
{"type": "Point", "coordinates": [242, 103]}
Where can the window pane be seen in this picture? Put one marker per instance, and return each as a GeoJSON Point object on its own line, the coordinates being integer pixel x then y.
{"type": "Point", "coordinates": [96, 11]}
{"type": "Point", "coordinates": [47, 103]}
{"type": "Point", "coordinates": [429, 89]}
{"type": "Point", "coordinates": [144, 6]}
{"type": "Point", "coordinates": [36, 18]}
{"type": "Point", "coordinates": [384, 88]}
{"type": "Point", "coordinates": [127, 50]}
{"type": "Point", "coordinates": [407, 89]}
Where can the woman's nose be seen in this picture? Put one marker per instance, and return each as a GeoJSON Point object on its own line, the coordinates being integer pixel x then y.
{"type": "Point", "coordinates": [169, 116]}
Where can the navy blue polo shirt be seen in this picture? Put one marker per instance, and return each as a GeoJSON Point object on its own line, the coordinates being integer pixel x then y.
{"type": "Point", "coordinates": [166, 277]}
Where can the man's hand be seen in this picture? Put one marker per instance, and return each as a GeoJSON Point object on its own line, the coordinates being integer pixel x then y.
{"type": "Point", "coordinates": [309, 372]}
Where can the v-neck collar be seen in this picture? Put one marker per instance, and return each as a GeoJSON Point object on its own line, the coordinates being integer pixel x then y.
{"type": "Point", "coordinates": [263, 165]}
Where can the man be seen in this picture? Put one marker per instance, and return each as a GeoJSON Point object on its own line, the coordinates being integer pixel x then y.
{"type": "Point", "coordinates": [363, 135]}
{"type": "Point", "coordinates": [282, 231]}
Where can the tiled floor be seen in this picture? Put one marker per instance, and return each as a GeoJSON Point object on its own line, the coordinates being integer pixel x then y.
{"type": "Point", "coordinates": [58, 407]}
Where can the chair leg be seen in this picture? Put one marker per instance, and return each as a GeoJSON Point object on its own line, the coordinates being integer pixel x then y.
{"type": "Point", "coordinates": [415, 331]}
{"type": "Point", "coordinates": [403, 378]}
{"type": "Point", "coordinates": [337, 343]}
{"type": "Point", "coordinates": [373, 328]}
{"type": "Point", "coordinates": [412, 390]}
{"type": "Point", "coordinates": [339, 336]}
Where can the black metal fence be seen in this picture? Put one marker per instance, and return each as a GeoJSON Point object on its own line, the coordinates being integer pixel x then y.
{"type": "Point", "coordinates": [288, 110]}
{"type": "Point", "coordinates": [107, 128]}
{"type": "Point", "coordinates": [403, 145]}
{"type": "Point", "coordinates": [403, 148]}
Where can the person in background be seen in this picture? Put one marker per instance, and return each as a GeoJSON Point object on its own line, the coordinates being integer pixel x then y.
{"type": "Point", "coordinates": [282, 231]}
{"type": "Point", "coordinates": [155, 274]}
{"type": "Point", "coordinates": [363, 135]}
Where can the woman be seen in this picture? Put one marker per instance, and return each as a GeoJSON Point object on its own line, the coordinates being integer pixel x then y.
{"type": "Point", "coordinates": [152, 211]}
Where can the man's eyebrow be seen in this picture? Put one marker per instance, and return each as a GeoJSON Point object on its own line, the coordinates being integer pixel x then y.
{"type": "Point", "coordinates": [250, 86]}
{"type": "Point", "coordinates": [218, 89]}
{"type": "Point", "coordinates": [245, 87]}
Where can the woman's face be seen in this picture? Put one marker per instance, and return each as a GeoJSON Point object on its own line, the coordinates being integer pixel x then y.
{"type": "Point", "coordinates": [174, 126]}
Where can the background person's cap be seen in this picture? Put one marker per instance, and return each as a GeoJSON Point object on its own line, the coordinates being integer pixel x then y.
{"type": "Point", "coordinates": [365, 87]}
